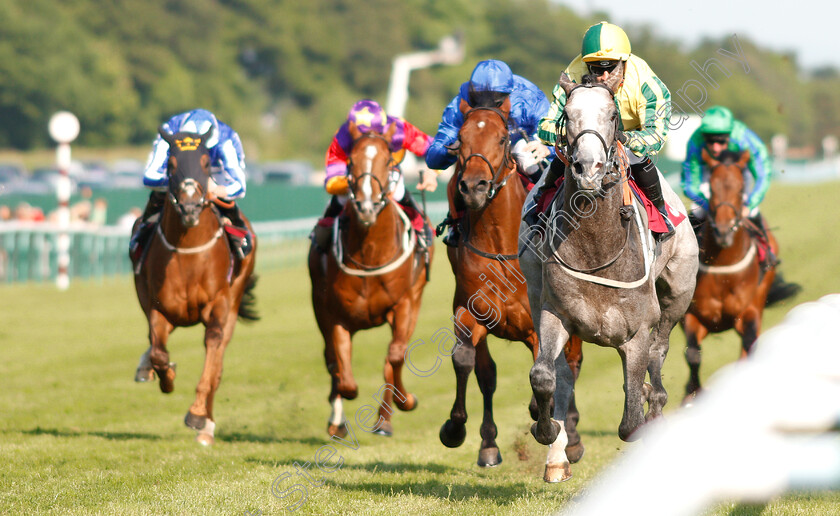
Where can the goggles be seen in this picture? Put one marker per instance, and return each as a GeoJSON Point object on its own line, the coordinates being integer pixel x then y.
{"type": "Point", "coordinates": [599, 67]}
{"type": "Point", "coordinates": [716, 138]}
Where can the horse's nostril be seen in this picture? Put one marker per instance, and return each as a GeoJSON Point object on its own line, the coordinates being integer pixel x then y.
{"type": "Point", "coordinates": [462, 186]}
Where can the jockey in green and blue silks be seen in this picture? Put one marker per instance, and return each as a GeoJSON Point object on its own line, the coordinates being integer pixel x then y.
{"type": "Point", "coordinates": [720, 131]}
{"type": "Point", "coordinates": [227, 171]}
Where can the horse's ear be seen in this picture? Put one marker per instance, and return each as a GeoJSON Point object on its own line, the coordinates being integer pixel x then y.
{"type": "Point", "coordinates": [206, 136]}
{"type": "Point", "coordinates": [390, 130]}
{"type": "Point", "coordinates": [354, 131]}
{"type": "Point", "coordinates": [566, 83]}
{"type": "Point", "coordinates": [744, 159]}
{"type": "Point", "coordinates": [708, 159]}
{"type": "Point", "coordinates": [616, 77]}
{"type": "Point", "coordinates": [505, 107]}
{"type": "Point", "coordinates": [166, 135]}
{"type": "Point", "coordinates": [464, 107]}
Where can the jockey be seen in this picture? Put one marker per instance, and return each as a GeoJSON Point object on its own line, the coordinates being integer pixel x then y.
{"type": "Point", "coordinates": [227, 160]}
{"type": "Point", "coordinates": [720, 131]}
{"type": "Point", "coordinates": [643, 101]}
{"type": "Point", "coordinates": [490, 84]}
{"type": "Point", "coordinates": [369, 116]}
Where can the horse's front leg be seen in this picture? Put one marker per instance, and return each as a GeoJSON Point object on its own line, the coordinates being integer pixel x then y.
{"type": "Point", "coordinates": [217, 333]}
{"type": "Point", "coordinates": [748, 327]}
{"type": "Point", "coordinates": [635, 356]}
{"type": "Point", "coordinates": [159, 330]}
{"type": "Point", "coordinates": [550, 377]}
{"type": "Point", "coordinates": [694, 334]}
{"type": "Point", "coordinates": [485, 372]}
{"type": "Point", "coordinates": [402, 320]}
{"type": "Point", "coordinates": [574, 357]}
{"type": "Point", "coordinates": [454, 430]}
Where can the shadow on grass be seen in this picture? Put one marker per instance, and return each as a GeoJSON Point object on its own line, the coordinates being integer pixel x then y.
{"type": "Point", "coordinates": [242, 437]}
{"type": "Point", "coordinates": [115, 436]}
{"type": "Point", "coordinates": [444, 488]}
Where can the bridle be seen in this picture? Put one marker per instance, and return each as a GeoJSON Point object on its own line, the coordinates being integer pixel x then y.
{"type": "Point", "coordinates": [564, 148]}
{"type": "Point", "coordinates": [384, 190]}
{"type": "Point", "coordinates": [496, 182]}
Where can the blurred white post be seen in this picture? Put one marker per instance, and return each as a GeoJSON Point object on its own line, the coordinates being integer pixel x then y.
{"type": "Point", "coordinates": [64, 128]}
{"type": "Point", "coordinates": [450, 51]}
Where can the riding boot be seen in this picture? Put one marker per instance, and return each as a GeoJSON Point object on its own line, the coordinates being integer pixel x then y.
{"type": "Point", "coordinates": [322, 233]}
{"type": "Point", "coordinates": [647, 178]}
{"type": "Point", "coordinates": [760, 232]}
{"type": "Point", "coordinates": [153, 208]}
{"type": "Point", "coordinates": [408, 202]}
{"type": "Point", "coordinates": [238, 233]}
{"type": "Point", "coordinates": [554, 172]}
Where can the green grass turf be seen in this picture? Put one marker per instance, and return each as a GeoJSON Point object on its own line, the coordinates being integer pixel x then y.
{"type": "Point", "coordinates": [78, 436]}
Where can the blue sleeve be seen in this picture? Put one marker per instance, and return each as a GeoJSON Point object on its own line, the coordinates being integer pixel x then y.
{"type": "Point", "coordinates": [437, 156]}
{"type": "Point", "coordinates": [759, 167]}
{"type": "Point", "coordinates": [530, 105]}
{"type": "Point", "coordinates": [693, 172]}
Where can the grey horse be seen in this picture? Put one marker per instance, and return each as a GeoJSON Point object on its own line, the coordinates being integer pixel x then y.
{"type": "Point", "coordinates": [595, 272]}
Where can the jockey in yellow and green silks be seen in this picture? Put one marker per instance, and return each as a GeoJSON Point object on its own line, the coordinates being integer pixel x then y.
{"type": "Point", "coordinates": [642, 99]}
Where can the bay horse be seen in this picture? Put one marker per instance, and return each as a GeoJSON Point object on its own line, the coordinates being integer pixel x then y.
{"type": "Point", "coordinates": [596, 274]}
{"type": "Point", "coordinates": [372, 275]}
{"type": "Point", "coordinates": [188, 276]}
{"type": "Point", "coordinates": [731, 287]}
{"type": "Point", "coordinates": [490, 293]}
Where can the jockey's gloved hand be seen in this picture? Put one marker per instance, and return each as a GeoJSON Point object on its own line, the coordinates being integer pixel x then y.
{"type": "Point", "coordinates": [452, 149]}
{"type": "Point", "coordinates": [621, 136]}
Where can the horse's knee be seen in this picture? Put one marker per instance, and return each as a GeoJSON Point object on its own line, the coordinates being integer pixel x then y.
{"type": "Point", "coordinates": [542, 380]}
{"type": "Point", "coordinates": [159, 358]}
{"type": "Point", "coordinates": [693, 355]}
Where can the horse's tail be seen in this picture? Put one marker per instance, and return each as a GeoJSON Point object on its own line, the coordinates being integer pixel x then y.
{"type": "Point", "coordinates": [781, 290]}
{"type": "Point", "coordinates": [247, 308]}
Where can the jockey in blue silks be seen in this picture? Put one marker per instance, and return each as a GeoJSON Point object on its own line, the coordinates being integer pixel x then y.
{"type": "Point", "coordinates": [227, 171]}
{"type": "Point", "coordinates": [490, 84]}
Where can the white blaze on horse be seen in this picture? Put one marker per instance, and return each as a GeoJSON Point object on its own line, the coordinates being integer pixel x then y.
{"type": "Point", "coordinates": [597, 274]}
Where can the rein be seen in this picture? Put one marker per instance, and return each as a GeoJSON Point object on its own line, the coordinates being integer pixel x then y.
{"type": "Point", "coordinates": [612, 157]}
{"type": "Point", "coordinates": [352, 180]}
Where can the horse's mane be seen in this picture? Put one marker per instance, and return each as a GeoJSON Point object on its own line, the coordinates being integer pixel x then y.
{"type": "Point", "coordinates": [729, 157]}
{"type": "Point", "coordinates": [588, 79]}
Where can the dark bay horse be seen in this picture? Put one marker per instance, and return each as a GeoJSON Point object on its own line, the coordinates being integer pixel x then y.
{"type": "Point", "coordinates": [598, 276]}
{"type": "Point", "coordinates": [372, 276]}
{"type": "Point", "coordinates": [490, 292]}
{"type": "Point", "coordinates": [731, 288]}
{"type": "Point", "coordinates": [189, 276]}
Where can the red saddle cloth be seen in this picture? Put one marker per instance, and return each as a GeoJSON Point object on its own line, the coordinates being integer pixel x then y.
{"type": "Point", "coordinates": [656, 223]}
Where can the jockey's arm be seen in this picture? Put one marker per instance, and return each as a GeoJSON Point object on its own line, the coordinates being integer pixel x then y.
{"type": "Point", "coordinates": [692, 175]}
{"type": "Point", "coordinates": [438, 156]}
{"type": "Point", "coordinates": [336, 169]}
{"type": "Point", "coordinates": [759, 166]}
{"type": "Point", "coordinates": [231, 181]}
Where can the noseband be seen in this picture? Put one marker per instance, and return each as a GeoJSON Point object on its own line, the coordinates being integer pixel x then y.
{"type": "Point", "coordinates": [495, 183]}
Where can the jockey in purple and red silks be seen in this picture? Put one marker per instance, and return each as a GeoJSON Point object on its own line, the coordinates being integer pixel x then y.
{"type": "Point", "coordinates": [369, 116]}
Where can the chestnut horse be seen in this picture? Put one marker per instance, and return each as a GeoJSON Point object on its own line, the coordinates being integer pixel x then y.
{"type": "Point", "coordinates": [731, 288]}
{"type": "Point", "coordinates": [490, 292]}
{"type": "Point", "coordinates": [373, 275]}
{"type": "Point", "coordinates": [189, 276]}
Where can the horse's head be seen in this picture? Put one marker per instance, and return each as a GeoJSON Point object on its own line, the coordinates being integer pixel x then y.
{"type": "Point", "coordinates": [188, 169]}
{"type": "Point", "coordinates": [726, 185]}
{"type": "Point", "coordinates": [591, 122]}
{"type": "Point", "coordinates": [484, 158]}
{"type": "Point", "coordinates": [369, 172]}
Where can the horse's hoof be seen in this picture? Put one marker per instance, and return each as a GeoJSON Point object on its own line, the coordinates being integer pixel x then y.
{"type": "Point", "coordinates": [557, 472]}
{"type": "Point", "coordinates": [409, 405]}
{"type": "Point", "coordinates": [545, 435]}
{"type": "Point", "coordinates": [574, 452]}
{"type": "Point", "coordinates": [452, 435]}
{"type": "Point", "coordinates": [144, 374]}
{"type": "Point", "coordinates": [384, 429]}
{"type": "Point", "coordinates": [195, 422]}
{"type": "Point", "coordinates": [339, 431]}
{"type": "Point", "coordinates": [489, 457]}
{"type": "Point", "coordinates": [167, 382]}
{"type": "Point", "coordinates": [205, 439]}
